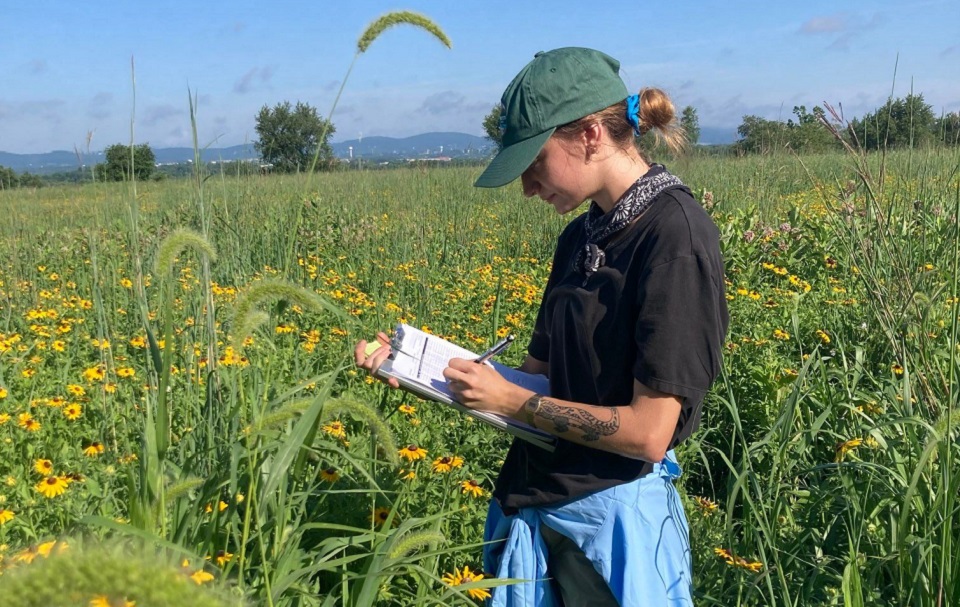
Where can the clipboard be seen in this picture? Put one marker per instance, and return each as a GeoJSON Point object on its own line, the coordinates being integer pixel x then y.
{"type": "Point", "coordinates": [417, 362]}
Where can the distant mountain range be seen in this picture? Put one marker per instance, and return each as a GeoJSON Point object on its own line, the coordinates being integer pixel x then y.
{"type": "Point", "coordinates": [374, 149]}
{"type": "Point", "coordinates": [426, 145]}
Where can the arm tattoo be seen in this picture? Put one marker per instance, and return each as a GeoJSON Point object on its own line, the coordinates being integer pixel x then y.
{"type": "Point", "coordinates": [565, 418]}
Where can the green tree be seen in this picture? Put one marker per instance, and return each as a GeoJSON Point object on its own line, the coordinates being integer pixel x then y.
{"type": "Point", "coordinates": [808, 133]}
{"type": "Point", "coordinates": [761, 135]}
{"type": "Point", "coordinates": [491, 126]}
{"type": "Point", "coordinates": [690, 123]}
{"type": "Point", "coordinates": [116, 165]}
{"type": "Point", "coordinates": [906, 122]}
{"type": "Point", "coordinates": [947, 128]}
{"type": "Point", "coordinates": [8, 178]}
{"type": "Point", "coordinates": [289, 137]}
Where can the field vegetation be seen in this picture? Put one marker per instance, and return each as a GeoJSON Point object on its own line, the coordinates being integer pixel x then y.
{"type": "Point", "coordinates": [176, 381]}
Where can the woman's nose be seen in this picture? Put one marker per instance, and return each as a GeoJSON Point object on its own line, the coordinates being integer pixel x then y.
{"type": "Point", "coordinates": [530, 185]}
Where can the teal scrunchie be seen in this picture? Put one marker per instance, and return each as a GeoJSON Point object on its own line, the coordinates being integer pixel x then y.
{"type": "Point", "coordinates": [633, 113]}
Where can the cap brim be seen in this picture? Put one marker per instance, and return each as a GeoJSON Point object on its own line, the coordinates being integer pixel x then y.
{"type": "Point", "coordinates": [512, 161]}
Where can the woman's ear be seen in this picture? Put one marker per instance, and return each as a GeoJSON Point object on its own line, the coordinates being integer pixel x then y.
{"type": "Point", "coordinates": [592, 136]}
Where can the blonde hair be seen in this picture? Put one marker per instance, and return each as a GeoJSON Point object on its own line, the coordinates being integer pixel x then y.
{"type": "Point", "coordinates": [657, 114]}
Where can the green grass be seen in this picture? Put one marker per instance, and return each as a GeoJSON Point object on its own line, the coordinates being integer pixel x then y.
{"type": "Point", "coordinates": [833, 474]}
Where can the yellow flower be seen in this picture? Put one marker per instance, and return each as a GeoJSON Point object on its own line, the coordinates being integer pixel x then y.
{"type": "Point", "coordinates": [471, 487]}
{"type": "Point", "coordinates": [126, 372]}
{"type": "Point", "coordinates": [706, 505]}
{"type": "Point", "coordinates": [43, 466]}
{"type": "Point", "coordinates": [847, 446]}
{"type": "Point", "coordinates": [465, 576]}
{"type": "Point", "coordinates": [52, 486]}
{"type": "Point", "coordinates": [76, 390]}
{"type": "Point", "coordinates": [72, 411]}
{"type": "Point", "coordinates": [897, 368]}
{"type": "Point", "coordinates": [93, 449]}
{"type": "Point", "coordinates": [3, 392]}
{"type": "Point", "coordinates": [379, 517]}
{"type": "Point", "coordinates": [412, 453]}
{"type": "Point", "coordinates": [58, 345]}
{"type": "Point", "coordinates": [823, 336]}
{"type": "Point", "coordinates": [94, 374]}
{"type": "Point", "coordinates": [138, 342]}
{"type": "Point", "coordinates": [335, 429]}
{"type": "Point", "coordinates": [447, 463]}
{"type": "Point", "coordinates": [329, 475]}
{"type": "Point", "coordinates": [407, 409]}
{"type": "Point", "coordinates": [6, 516]}
{"type": "Point", "coordinates": [407, 475]}
{"type": "Point", "coordinates": [783, 335]}
{"type": "Point", "coordinates": [201, 577]}
{"type": "Point", "coordinates": [26, 421]}
{"type": "Point", "coordinates": [222, 557]}
{"type": "Point", "coordinates": [4, 418]}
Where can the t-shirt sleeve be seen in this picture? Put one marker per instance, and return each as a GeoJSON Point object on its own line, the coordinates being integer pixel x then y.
{"type": "Point", "coordinates": [680, 327]}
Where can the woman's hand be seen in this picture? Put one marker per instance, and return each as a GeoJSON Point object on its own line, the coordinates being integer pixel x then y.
{"type": "Point", "coordinates": [371, 355]}
{"type": "Point", "coordinates": [479, 386]}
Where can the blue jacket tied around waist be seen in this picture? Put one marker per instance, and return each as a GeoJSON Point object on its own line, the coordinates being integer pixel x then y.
{"type": "Point", "coordinates": [635, 535]}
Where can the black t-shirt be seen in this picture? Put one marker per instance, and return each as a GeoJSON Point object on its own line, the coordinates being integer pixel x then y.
{"type": "Point", "coordinates": [655, 312]}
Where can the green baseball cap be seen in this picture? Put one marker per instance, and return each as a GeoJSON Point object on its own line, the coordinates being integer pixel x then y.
{"type": "Point", "coordinates": [554, 89]}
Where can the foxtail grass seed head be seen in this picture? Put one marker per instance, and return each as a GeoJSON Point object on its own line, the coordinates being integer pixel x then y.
{"type": "Point", "coordinates": [412, 542]}
{"type": "Point", "coordinates": [246, 317]}
{"type": "Point", "coordinates": [399, 18]}
{"type": "Point", "coordinates": [178, 241]}
{"type": "Point", "coordinates": [367, 414]}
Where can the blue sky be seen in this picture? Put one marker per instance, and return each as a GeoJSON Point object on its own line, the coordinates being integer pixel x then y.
{"type": "Point", "coordinates": [65, 66]}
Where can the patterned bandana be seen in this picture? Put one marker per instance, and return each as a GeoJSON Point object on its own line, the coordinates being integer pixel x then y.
{"type": "Point", "coordinates": [599, 225]}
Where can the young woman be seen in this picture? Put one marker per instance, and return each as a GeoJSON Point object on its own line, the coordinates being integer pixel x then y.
{"type": "Point", "coordinates": [629, 333]}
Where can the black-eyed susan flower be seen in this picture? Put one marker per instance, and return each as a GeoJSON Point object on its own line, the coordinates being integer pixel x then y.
{"type": "Point", "coordinates": [781, 335]}
{"type": "Point", "coordinates": [447, 463]}
{"type": "Point", "coordinates": [330, 475]}
{"type": "Point", "coordinates": [126, 372]}
{"type": "Point", "coordinates": [407, 475]}
{"type": "Point", "coordinates": [94, 374]}
{"type": "Point", "coordinates": [201, 577]}
{"type": "Point", "coordinates": [897, 368]}
{"type": "Point", "coordinates": [51, 487]}
{"type": "Point", "coordinates": [222, 557]}
{"type": "Point", "coordinates": [824, 337]}
{"type": "Point", "coordinates": [379, 516]}
{"type": "Point", "coordinates": [27, 422]}
{"type": "Point", "coordinates": [412, 452]}
{"type": "Point", "coordinates": [472, 487]}
{"type": "Point", "coordinates": [93, 449]}
{"type": "Point", "coordinates": [6, 516]}
{"type": "Point", "coordinates": [4, 418]}
{"type": "Point", "coordinates": [335, 429]}
{"type": "Point", "coordinates": [706, 505]}
{"type": "Point", "coordinates": [138, 342]}
{"type": "Point", "coordinates": [73, 411]}
{"type": "Point", "coordinates": [846, 447]}
{"type": "Point", "coordinates": [43, 466]}
{"type": "Point", "coordinates": [465, 576]}
{"type": "Point", "coordinates": [407, 409]}
{"type": "Point", "coordinates": [3, 393]}
{"type": "Point", "coordinates": [76, 390]}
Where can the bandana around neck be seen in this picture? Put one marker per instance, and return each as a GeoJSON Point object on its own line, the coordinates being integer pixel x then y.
{"type": "Point", "coordinates": [599, 225]}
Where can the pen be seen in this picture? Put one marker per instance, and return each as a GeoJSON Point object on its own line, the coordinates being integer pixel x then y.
{"type": "Point", "coordinates": [497, 349]}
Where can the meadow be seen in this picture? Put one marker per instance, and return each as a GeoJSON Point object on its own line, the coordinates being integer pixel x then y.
{"type": "Point", "coordinates": [179, 414]}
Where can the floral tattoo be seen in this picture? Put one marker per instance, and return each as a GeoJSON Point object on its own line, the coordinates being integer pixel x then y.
{"type": "Point", "coordinates": [566, 418]}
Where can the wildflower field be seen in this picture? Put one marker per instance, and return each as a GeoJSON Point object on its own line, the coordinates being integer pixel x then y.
{"type": "Point", "coordinates": [177, 391]}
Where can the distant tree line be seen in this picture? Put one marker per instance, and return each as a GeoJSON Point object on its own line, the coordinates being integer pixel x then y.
{"type": "Point", "coordinates": [899, 123]}
{"type": "Point", "coordinates": [9, 179]}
